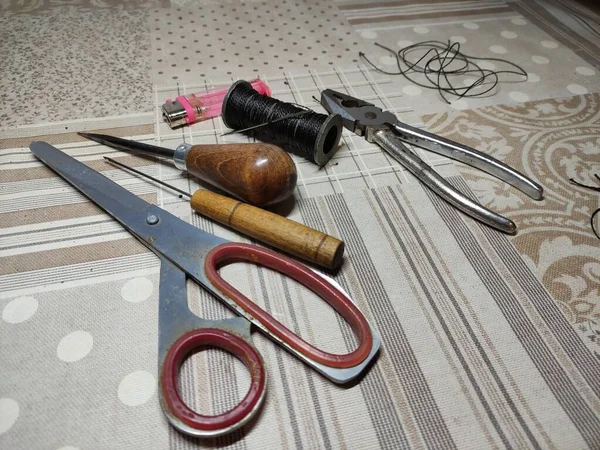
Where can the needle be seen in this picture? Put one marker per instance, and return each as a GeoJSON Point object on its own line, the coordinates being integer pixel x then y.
{"type": "Point", "coordinates": [264, 226]}
{"type": "Point", "coordinates": [117, 163]}
{"type": "Point", "coordinates": [289, 116]}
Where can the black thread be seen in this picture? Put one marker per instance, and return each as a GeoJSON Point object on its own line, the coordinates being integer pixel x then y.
{"type": "Point", "coordinates": [443, 64]}
{"type": "Point", "coordinates": [597, 211]}
{"type": "Point", "coordinates": [307, 133]}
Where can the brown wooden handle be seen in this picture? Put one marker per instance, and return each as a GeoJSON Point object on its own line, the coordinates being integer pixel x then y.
{"type": "Point", "coordinates": [259, 174]}
{"type": "Point", "coordinates": [270, 228]}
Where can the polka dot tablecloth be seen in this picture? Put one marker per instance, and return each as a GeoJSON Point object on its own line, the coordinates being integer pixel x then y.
{"type": "Point", "coordinates": [75, 372]}
{"type": "Point", "coordinates": [553, 70]}
{"type": "Point", "coordinates": [193, 43]}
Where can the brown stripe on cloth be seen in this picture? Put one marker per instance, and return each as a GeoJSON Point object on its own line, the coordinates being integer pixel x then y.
{"type": "Point", "coordinates": [566, 392]}
{"type": "Point", "coordinates": [394, 226]}
{"type": "Point", "coordinates": [468, 368]}
{"type": "Point", "coordinates": [41, 172]}
{"type": "Point", "coordinates": [431, 15]}
{"type": "Point", "coordinates": [68, 138]}
{"type": "Point", "coordinates": [405, 365]}
{"type": "Point", "coordinates": [317, 213]}
{"type": "Point", "coordinates": [369, 5]}
{"type": "Point", "coordinates": [70, 255]}
{"type": "Point", "coordinates": [461, 303]}
{"type": "Point", "coordinates": [538, 15]}
{"type": "Point", "coordinates": [429, 294]}
{"type": "Point", "coordinates": [55, 213]}
{"type": "Point", "coordinates": [416, 262]}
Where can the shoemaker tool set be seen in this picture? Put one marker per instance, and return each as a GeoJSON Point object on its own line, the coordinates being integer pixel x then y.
{"type": "Point", "coordinates": [250, 177]}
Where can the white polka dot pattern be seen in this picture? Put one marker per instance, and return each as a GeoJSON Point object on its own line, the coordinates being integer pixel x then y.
{"type": "Point", "coordinates": [459, 104]}
{"type": "Point", "coordinates": [549, 44]}
{"type": "Point", "coordinates": [486, 65]}
{"type": "Point", "coordinates": [75, 346]}
{"type": "Point", "coordinates": [368, 34]}
{"type": "Point", "coordinates": [586, 71]}
{"type": "Point", "coordinates": [19, 310]}
{"type": "Point", "coordinates": [9, 412]}
{"type": "Point", "coordinates": [519, 21]}
{"type": "Point", "coordinates": [137, 290]}
{"type": "Point", "coordinates": [540, 59]}
{"type": "Point", "coordinates": [577, 89]}
{"type": "Point", "coordinates": [518, 96]}
{"type": "Point", "coordinates": [403, 44]}
{"type": "Point", "coordinates": [459, 39]}
{"type": "Point", "coordinates": [136, 388]}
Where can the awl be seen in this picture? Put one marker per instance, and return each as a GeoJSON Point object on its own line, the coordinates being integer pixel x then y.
{"type": "Point", "coordinates": [257, 173]}
{"type": "Point", "coordinates": [264, 226]}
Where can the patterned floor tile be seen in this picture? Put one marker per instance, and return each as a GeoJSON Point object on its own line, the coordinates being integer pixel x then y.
{"type": "Point", "coordinates": [67, 65]}
{"type": "Point", "coordinates": [13, 7]}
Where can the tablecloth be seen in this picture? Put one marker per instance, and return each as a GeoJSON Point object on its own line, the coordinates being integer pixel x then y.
{"type": "Point", "coordinates": [488, 340]}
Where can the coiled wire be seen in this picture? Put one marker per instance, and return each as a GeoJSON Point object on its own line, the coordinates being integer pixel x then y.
{"type": "Point", "coordinates": [444, 65]}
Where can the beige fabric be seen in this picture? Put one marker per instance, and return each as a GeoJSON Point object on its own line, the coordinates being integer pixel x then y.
{"type": "Point", "coordinates": [471, 358]}
{"type": "Point", "coordinates": [558, 64]}
{"type": "Point", "coordinates": [551, 141]}
{"type": "Point", "coordinates": [476, 353]}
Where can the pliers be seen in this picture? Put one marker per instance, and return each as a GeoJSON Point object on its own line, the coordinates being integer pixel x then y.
{"type": "Point", "coordinates": [384, 128]}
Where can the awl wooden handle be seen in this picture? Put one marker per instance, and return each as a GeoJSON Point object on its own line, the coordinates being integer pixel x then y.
{"type": "Point", "coordinates": [270, 228]}
{"type": "Point", "coordinates": [259, 174]}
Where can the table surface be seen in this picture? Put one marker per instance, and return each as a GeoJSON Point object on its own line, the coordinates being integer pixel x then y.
{"type": "Point", "coordinates": [488, 340]}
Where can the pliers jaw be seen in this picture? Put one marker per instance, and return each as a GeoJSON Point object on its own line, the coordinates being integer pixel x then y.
{"type": "Point", "coordinates": [358, 116]}
{"type": "Point", "coordinates": [384, 129]}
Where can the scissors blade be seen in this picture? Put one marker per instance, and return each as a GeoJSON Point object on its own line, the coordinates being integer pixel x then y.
{"type": "Point", "coordinates": [173, 238]}
{"type": "Point", "coordinates": [114, 199]}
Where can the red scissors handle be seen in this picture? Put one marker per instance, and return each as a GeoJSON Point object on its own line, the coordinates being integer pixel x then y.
{"type": "Point", "coordinates": [231, 252]}
{"type": "Point", "coordinates": [205, 425]}
{"type": "Point", "coordinates": [233, 335]}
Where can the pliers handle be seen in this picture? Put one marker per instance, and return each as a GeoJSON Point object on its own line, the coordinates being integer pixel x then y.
{"type": "Point", "coordinates": [384, 129]}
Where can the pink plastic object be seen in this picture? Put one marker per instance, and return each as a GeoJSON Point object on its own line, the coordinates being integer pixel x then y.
{"type": "Point", "coordinates": [192, 108]}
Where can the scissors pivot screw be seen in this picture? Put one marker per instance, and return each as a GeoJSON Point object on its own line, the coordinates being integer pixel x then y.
{"type": "Point", "coordinates": [152, 219]}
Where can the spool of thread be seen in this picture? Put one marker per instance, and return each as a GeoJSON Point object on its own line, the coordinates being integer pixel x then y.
{"type": "Point", "coordinates": [311, 135]}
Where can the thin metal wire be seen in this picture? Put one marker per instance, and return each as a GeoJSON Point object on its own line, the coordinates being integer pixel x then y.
{"type": "Point", "coordinates": [117, 163]}
{"type": "Point", "coordinates": [597, 211]}
{"type": "Point", "coordinates": [444, 61]}
{"type": "Point", "coordinates": [291, 116]}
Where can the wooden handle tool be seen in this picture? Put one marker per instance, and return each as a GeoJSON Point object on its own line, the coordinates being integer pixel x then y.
{"type": "Point", "coordinates": [264, 226]}
{"type": "Point", "coordinates": [270, 228]}
{"type": "Point", "coordinates": [259, 174]}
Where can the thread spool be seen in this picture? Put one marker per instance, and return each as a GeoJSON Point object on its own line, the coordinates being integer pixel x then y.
{"type": "Point", "coordinates": [311, 135]}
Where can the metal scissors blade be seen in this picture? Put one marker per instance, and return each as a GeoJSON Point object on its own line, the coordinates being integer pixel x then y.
{"type": "Point", "coordinates": [133, 213]}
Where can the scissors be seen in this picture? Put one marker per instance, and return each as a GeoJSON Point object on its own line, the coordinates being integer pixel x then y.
{"type": "Point", "coordinates": [384, 128]}
{"type": "Point", "coordinates": [186, 251]}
